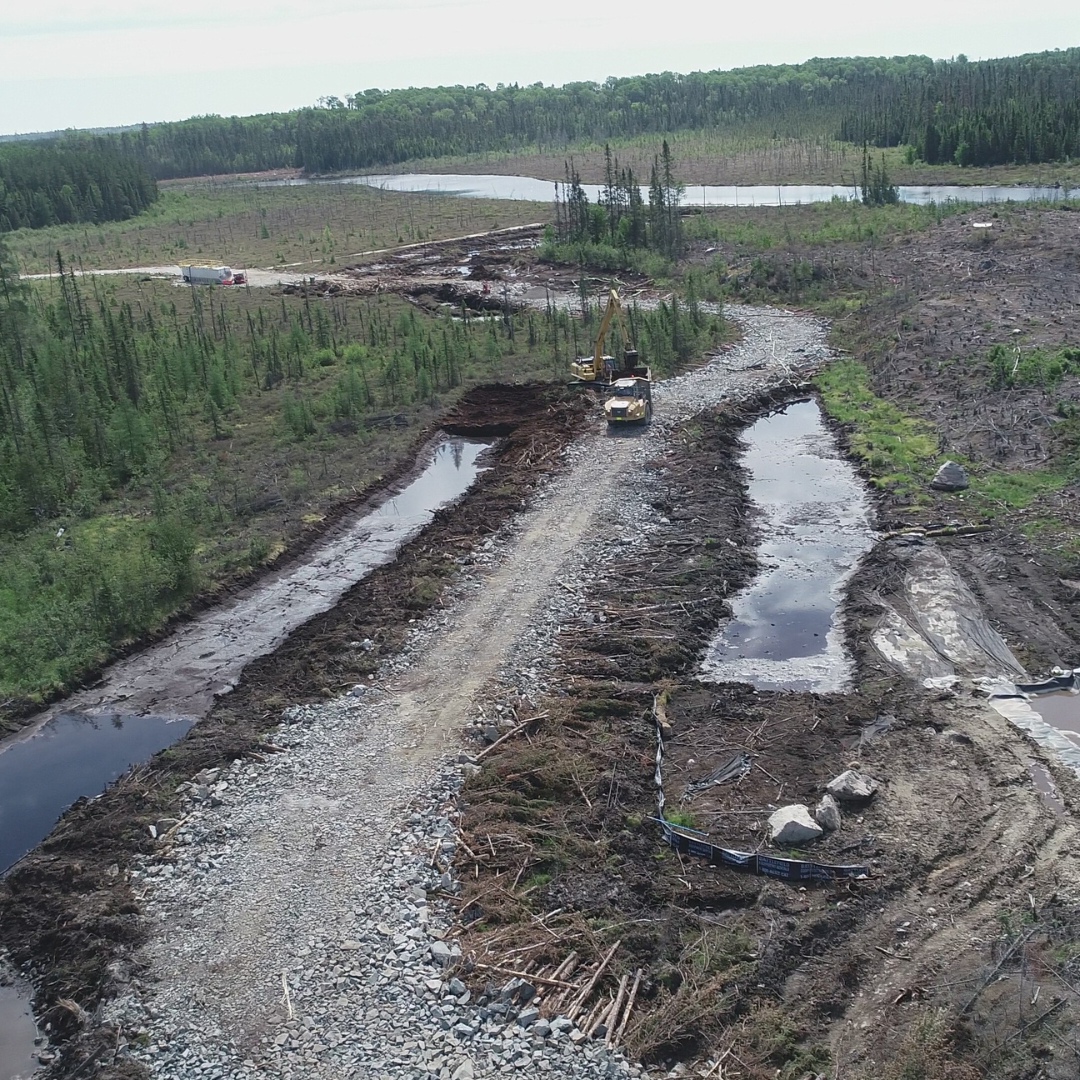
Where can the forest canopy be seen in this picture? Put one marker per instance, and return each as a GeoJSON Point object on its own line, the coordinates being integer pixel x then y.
{"type": "Point", "coordinates": [75, 180]}
{"type": "Point", "coordinates": [1019, 109]}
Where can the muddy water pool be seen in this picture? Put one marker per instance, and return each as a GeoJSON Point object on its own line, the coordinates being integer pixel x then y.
{"type": "Point", "coordinates": [815, 522]}
{"type": "Point", "coordinates": [1047, 789]}
{"type": "Point", "coordinates": [17, 1033]}
{"type": "Point", "coordinates": [1062, 712]}
{"type": "Point", "coordinates": [146, 702]}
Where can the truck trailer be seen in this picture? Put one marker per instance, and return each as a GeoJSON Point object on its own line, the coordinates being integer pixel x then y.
{"type": "Point", "coordinates": [210, 275]}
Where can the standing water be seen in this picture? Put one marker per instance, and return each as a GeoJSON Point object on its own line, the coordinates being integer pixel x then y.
{"type": "Point", "coordinates": [40, 777]}
{"type": "Point", "coordinates": [146, 702]}
{"type": "Point", "coordinates": [17, 1033]}
{"type": "Point", "coordinates": [785, 631]}
{"type": "Point", "coordinates": [529, 188]}
{"type": "Point", "coordinates": [1061, 711]}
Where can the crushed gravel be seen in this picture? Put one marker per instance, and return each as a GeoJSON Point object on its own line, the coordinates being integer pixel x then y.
{"type": "Point", "coordinates": [300, 912]}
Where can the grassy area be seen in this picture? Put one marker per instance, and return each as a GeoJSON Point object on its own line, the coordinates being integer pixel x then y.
{"type": "Point", "coordinates": [900, 451]}
{"type": "Point", "coordinates": [607, 258]}
{"type": "Point", "coordinates": [814, 225]}
{"type": "Point", "coordinates": [319, 225]}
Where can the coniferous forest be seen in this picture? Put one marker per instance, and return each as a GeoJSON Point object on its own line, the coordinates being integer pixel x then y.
{"type": "Point", "coordinates": [1019, 109]}
{"type": "Point", "coordinates": [74, 181]}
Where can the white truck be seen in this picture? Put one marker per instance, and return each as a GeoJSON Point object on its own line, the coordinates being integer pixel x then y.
{"type": "Point", "coordinates": [211, 275]}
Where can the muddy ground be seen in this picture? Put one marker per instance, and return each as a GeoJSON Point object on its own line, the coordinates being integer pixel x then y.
{"type": "Point", "coordinates": [67, 913]}
{"type": "Point", "coordinates": [957, 957]}
{"type": "Point", "coordinates": [480, 274]}
{"type": "Point", "coordinates": [860, 979]}
{"type": "Point", "coordinates": [924, 311]}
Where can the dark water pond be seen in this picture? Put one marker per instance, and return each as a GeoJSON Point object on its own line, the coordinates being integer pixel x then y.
{"type": "Point", "coordinates": [148, 701]}
{"type": "Point", "coordinates": [815, 521]}
{"type": "Point", "coordinates": [528, 188]}
{"type": "Point", "coordinates": [70, 757]}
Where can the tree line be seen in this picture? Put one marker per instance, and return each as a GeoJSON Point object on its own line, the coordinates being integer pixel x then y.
{"type": "Point", "coordinates": [72, 181]}
{"type": "Point", "coordinates": [1016, 109]}
{"type": "Point", "coordinates": [620, 223]}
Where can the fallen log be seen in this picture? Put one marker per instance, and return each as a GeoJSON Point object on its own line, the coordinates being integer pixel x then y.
{"type": "Point", "coordinates": [591, 985]}
{"type": "Point", "coordinates": [513, 731]}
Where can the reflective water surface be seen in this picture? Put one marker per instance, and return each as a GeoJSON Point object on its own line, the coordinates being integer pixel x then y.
{"type": "Point", "coordinates": [17, 1033]}
{"type": "Point", "coordinates": [785, 633]}
{"type": "Point", "coordinates": [528, 188]}
{"type": "Point", "coordinates": [149, 700]}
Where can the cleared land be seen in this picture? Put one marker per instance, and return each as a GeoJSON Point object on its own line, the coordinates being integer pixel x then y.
{"type": "Point", "coordinates": [316, 226]}
{"type": "Point", "coordinates": [958, 957]}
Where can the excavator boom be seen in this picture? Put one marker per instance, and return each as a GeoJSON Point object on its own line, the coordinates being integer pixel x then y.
{"type": "Point", "coordinates": [601, 368]}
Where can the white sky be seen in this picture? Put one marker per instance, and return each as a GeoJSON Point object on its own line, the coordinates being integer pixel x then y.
{"type": "Point", "coordinates": [85, 63]}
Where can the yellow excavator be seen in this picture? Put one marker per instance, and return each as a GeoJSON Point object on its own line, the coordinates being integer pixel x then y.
{"type": "Point", "coordinates": [601, 368]}
{"type": "Point", "coordinates": [630, 386]}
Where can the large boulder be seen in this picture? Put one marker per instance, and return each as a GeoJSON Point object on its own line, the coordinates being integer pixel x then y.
{"type": "Point", "coordinates": [827, 814]}
{"type": "Point", "coordinates": [852, 786]}
{"type": "Point", "coordinates": [950, 477]}
{"type": "Point", "coordinates": [792, 825]}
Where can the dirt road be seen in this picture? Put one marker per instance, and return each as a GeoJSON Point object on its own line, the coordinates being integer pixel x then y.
{"type": "Point", "coordinates": [307, 848]}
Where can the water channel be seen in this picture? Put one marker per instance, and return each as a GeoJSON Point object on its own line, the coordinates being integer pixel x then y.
{"type": "Point", "coordinates": [815, 521]}
{"type": "Point", "coordinates": [148, 701]}
{"type": "Point", "coordinates": [528, 188]}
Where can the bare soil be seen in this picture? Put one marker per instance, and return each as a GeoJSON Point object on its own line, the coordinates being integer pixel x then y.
{"type": "Point", "coordinates": [956, 958]}
{"type": "Point", "coordinates": [864, 977]}
{"type": "Point", "coordinates": [949, 296]}
{"type": "Point", "coordinates": [923, 310]}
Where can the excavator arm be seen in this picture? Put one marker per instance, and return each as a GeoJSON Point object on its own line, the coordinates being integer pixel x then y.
{"type": "Point", "coordinates": [594, 371]}
{"type": "Point", "coordinates": [613, 308]}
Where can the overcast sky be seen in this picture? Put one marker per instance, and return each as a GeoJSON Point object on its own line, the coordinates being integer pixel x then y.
{"type": "Point", "coordinates": [86, 63]}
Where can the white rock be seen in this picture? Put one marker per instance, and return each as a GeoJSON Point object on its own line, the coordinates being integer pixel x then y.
{"type": "Point", "coordinates": [827, 814]}
{"type": "Point", "coordinates": [852, 786]}
{"type": "Point", "coordinates": [791, 825]}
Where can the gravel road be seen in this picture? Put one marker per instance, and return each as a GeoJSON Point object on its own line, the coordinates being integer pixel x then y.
{"type": "Point", "coordinates": [296, 920]}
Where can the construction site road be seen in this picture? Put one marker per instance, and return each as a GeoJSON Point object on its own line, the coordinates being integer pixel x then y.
{"type": "Point", "coordinates": [289, 935]}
